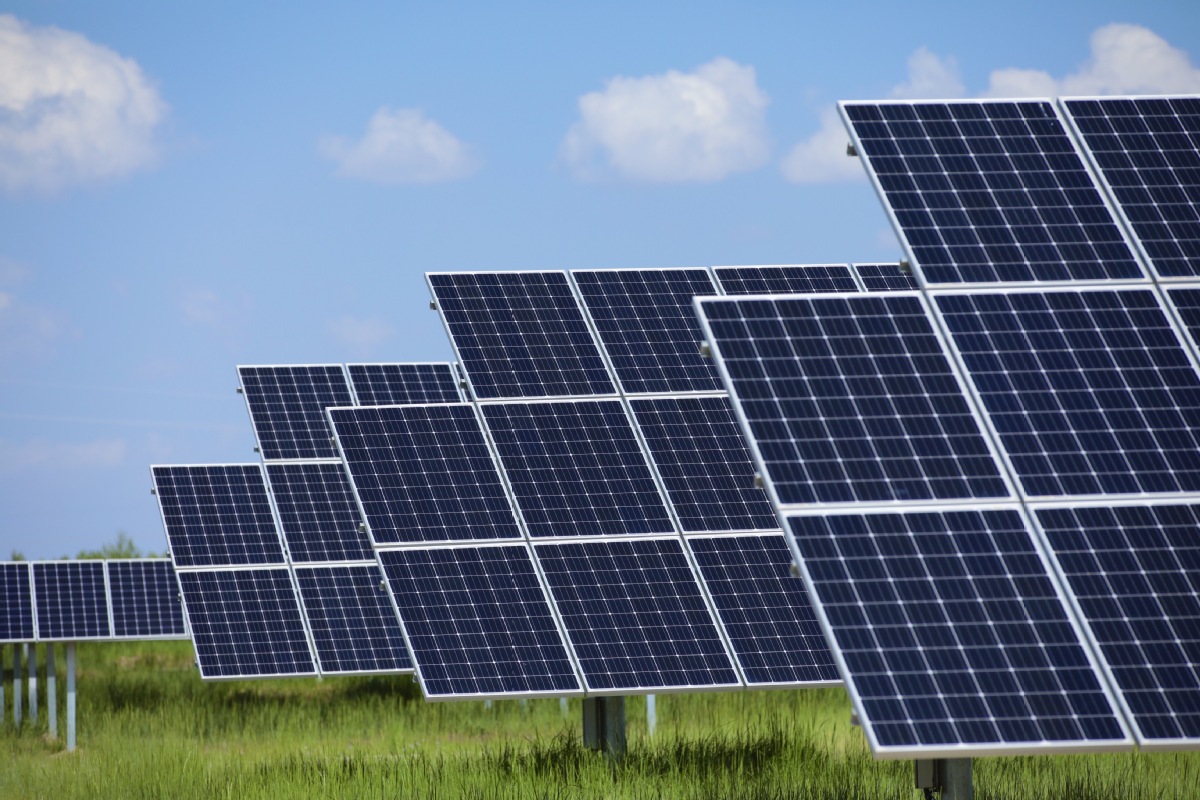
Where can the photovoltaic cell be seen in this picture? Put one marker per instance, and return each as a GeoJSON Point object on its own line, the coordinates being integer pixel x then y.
{"type": "Point", "coordinates": [16, 603]}
{"type": "Point", "coordinates": [764, 609]}
{"type": "Point", "coordinates": [478, 622]}
{"type": "Point", "coordinates": [145, 599]}
{"type": "Point", "coordinates": [1135, 574]}
{"type": "Point", "coordinates": [352, 620]}
{"type": "Point", "coordinates": [1091, 392]}
{"type": "Point", "coordinates": [1186, 300]}
{"type": "Point", "coordinates": [700, 453]}
{"type": "Point", "coordinates": [635, 615]}
{"type": "Point", "coordinates": [989, 190]}
{"type": "Point", "coordinates": [217, 515]}
{"type": "Point", "coordinates": [786, 279]}
{"type": "Point", "coordinates": [424, 473]}
{"type": "Point", "coordinates": [245, 623]}
{"type": "Point", "coordinates": [317, 512]}
{"type": "Point", "coordinates": [1148, 151]}
{"type": "Point", "coordinates": [287, 407]}
{"type": "Point", "coordinates": [520, 334]}
{"type": "Point", "coordinates": [648, 327]}
{"type": "Point", "coordinates": [72, 602]}
{"type": "Point", "coordinates": [403, 384]}
{"type": "Point", "coordinates": [851, 399]}
{"type": "Point", "coordinates": [886, 277]}
{"type": "Point", "coordinates": [576, 468]}
{"type": "Point", "coordinates": [951, 632]}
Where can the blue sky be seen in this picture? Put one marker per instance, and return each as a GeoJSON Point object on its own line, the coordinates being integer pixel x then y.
{"type": "Point", "coordinates": [183, 189]}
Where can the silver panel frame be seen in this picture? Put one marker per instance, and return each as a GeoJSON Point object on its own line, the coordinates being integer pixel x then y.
{"type": "Point", "coordinates": [40, 637]}
{"type": "Point", "coordinates": [184, 635]}
{"type": "Point", "coordinates": [258, 445]}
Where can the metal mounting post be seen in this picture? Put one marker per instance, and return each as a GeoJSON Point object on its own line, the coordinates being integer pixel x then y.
{"type": "Point", "coordinates": [1, 687]}
{"type": "Point", "coordinates": [32, 660]}
{"type": "Point", "coordinates": [70, 695]}
{"type": "Point", "coordinates": [950, 778]}
{"type": "Point", "coordinates": [651, 715]}
{"type": "Point", "coordinates": [604, 725]}
{"type": "Point", "coordinates": [17, 685]}
{"type": "Point", "coordinates": [51, 691]}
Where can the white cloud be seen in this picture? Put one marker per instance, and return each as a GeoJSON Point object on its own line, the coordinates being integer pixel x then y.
{"type": "Point", "coordinates": [37, 453]}
{"type": "Point", "coordinates": [930, 76]}
{"type": "Point", "coordinates": [821, 158]}
{"type": "Point", "coordinates": [678, 127]}
{"type": "Point", "coordinates": [27, 330]}
{"type": "Point", "coordinates": [401, 146]}
{"type": "Point", "coordinates": [71, 111]}
{"type": "Point", "coordinates": [360, 333]}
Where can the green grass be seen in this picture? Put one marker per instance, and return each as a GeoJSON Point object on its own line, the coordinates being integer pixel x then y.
{"type": "Point", "coordinates": [148, 728]}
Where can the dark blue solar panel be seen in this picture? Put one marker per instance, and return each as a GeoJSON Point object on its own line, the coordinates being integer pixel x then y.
{"type": "Point", "coordinates": [287, 407]}
{"type": "Point", "coordinates": [886, 277]}
{"type": "Point", "coordinates": [1135, 572]}
{"type": "Point", "coordinates": [217, 515]}
{"type": "Point", "coordinates": [764, 608]}
{"type": "Point", "coordinates": [1148, 150]}
{"type": "Point", "coordinates": [786, 279]}
{"type": "Point", "coordinates": [352, 620]}
{"type": "Point", "coordinates": [317, 512]}
{"type": "Point", "coordinates": [951, 632]}
{"type": "Point", "coordinates": [245, 623]}
{"type": "Point", "coordinates": [851, 399]}
{"type": "Point", "coordinates": [1091, 392]}
{"type": "Point", "coordinates": [990, 191]}
{"type": "Point", "coordinates": [401, 384]}
{"type": "Point", "coordinates": [16, 604]}
{"type": "Point", "coordinates": [145, 600]}
{"type": "Point", "coordinates": [478, 622]}
{"type": "Point", "coordinates": [635, 615]}
{"type": "Point", "coordinates": [520, 334]}
{"type": "Point", "coordinates": [700, 453]}
{"type": "Point", "coordinates": [72, 602]}
{"type": "Point", "coordinates": [424, 473]}
{"type": "Point", "coordinates": [648, 326]}
{"type": "Point", "coordinates": [1186, 301]}
{"type": "Point", "coordinates": [576, 468]}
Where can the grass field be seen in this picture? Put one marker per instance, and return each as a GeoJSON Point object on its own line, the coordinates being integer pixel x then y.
{"type": "Point", "coordinates": [148, 728]}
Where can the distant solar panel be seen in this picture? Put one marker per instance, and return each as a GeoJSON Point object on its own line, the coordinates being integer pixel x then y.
{"type": "Point", "coordinates": [245, 623]}
{"type": "Point", "coordinates": [424, 473]}
{"type": "Point", "coordinates": [520, 334]}
{"type": "Point", "coordinates": [989, 190]}
{"type": "Point", "coordinates": [703, 461]}
{"type": "Point", "coordinates": [851, 399]}
{"type": "Point", "coordinates": [145, 599]}
{"type": "Point", "coordinates": [478, 622]}
{"type": "Point", "coordinates": [786, 279]}
{"type": "Point", "coordinates": [352, 620]}
{"type": "Point", "coordinates": [576, 468]}
{"type": "Point", "coordinates": [646, 322]}
{"type": "Point", "coordinates": [764, 609]}
{"type": "Point", "coordinates": [16, 603]}
{"type": "Point", "coordinates": [886, 277]}
{"type": "Point", "coordinates": [402, 384]}
{"type": "Point", "coordinates": [951, 634]}
{"type": "Point", "coordinates": [1148, 152]}
{"type": "Point", "coordinates": [71, 600]}
{"type": "Point", "coordinates": [635, 616]}
{"type": "Point", "coordinates": [287, 407]}
{"type": "Point", "coordinates": [1090, 390]}
{"type": "Point", "coordinates": [1135, 574]}
{"type": "Point", "coordinates": [217, 515]}
{"type": "Point", "coordinates": [317, 512]}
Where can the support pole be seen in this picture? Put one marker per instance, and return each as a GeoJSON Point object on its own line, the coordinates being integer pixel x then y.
{"type": "Point", "coordinates": [1, 687]}
{"type": "Point", "coordinates": [651, 715]}
{"type": "Point", "coordinates": [17, 685]}
{"type": "Point", "coordinates": [604, 725]}
{"type": "Point", "coordinates": [33, 684]}
{"type": "Point", "coordinates": [950, 778]}
{"type": "Point", "coordinates": [70, 696]}
{"type": "Point", "coordinates": [562, 705]}
{"type": "Point", "coordinates": [51, 691]}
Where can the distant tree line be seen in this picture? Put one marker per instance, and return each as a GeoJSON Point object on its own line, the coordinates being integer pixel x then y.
{"type": "Point", "coordinates": [123, 547]}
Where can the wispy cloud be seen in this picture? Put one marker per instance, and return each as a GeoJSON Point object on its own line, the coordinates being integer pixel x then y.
{"type": "Point", "coordinates": [360, 333]}
{"type": "Point", "coordinates": [401, 146]}
{"type": "Point", "coordinates": [41, 453]}
{"type": "Point", "coordinates": [677, 127]}
{"type": "Point", "coordinates": [27, 330]}
{"type": "Point", "coordinates": [71, 111]}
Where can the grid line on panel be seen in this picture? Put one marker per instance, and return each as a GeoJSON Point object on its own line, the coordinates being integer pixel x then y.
{"type": "Point", "coordinates": [989, 191]}
{"type": "Point", "coordinates": [1186, 302]}
{"type": "Point", "coordinates": [72, 600]}
{"type": "Point", "coordinates": [145, 599]}
{"type": "Point", "coordinates": [16, 603]}
{"type": "Point", "coordinates": [403, 384]}
{"type": "Point", "coordinates": [786, 279]}
{"type": "Point", "coordinates": [1090, 392]}
{"type": "Point", "coordinates": [287, 408]}
{"type": "Point", "coordinates": [317, 512]}
{"type": "Point", "coordinates": [886, 277]}
{"type": "Point", "coordinates": [353, 624]}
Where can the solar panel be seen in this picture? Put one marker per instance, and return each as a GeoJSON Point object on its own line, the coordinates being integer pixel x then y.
{"type": "Point", "coordinates": [851, 399]}
{"type": "Point", "coordinates": [645, 320]}
{"type": "Point", "coordinates": [576, 469]}
{"type": "Point", "coordinates": [1135, 573]}
{"type": "Point", "coordinates": [1147, 149]}
{"type": "Point", "coordinates": [635, 616]}
{"type": "Point", "coordinates": [287, 407]}
{"type": "Point", "coordinates": [317, 512]}
{"type": "Point", "coordinates": [245, 623]}
{"type": "Point", "coordinates": [520, 334]}
{"type": "Point", "coordinates": [402, 384]}
{"type": "Point", "coordinates": [765, 610]}
{"type": "Point", "coordinates": [217, 515]}
{"type": "Point", "coordinates": [424, 473]}
{"type": "Point", "coordinates": [886, 277]}
{"type": "Point", "coordinates": [16, 603]}
{"type": "Point", "coordinates": [1186, 302]}
{"type": "Point", "coordinates": [71, 600]}
{"type": "Point", "coordinates": [952, 636]}
{"type": "Point", "coordinates": [353, 624]}
{"type": "Point", "coordinates": [478, 622]}
{"type": "Point", "coordinates": [703, 462]}
{"type": "Point", "coordinates": [989, 190]}
{"type": "Point", "coordinates": [1091, 391]}
{"type": "Point", "coordinates": [145, 599]}
{"type": "Point", "coordinates": [786, 279]}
